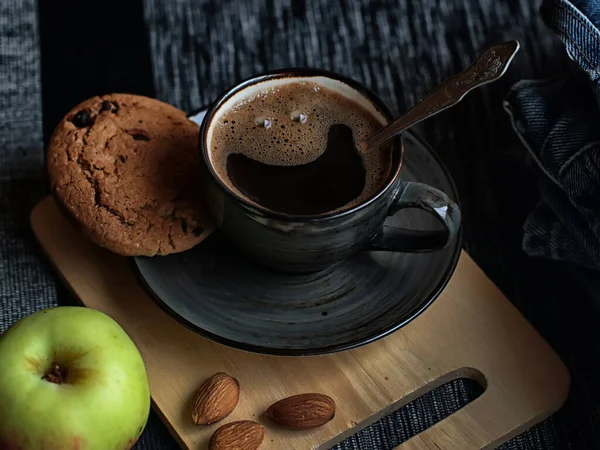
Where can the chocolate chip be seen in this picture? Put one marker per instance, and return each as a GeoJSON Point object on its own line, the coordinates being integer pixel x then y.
{"type": "Point", "coordinates": [197, 231]}
{"type": "Point", "coordinates": [184, 226]}
{"type": "Point", "coordinates": [137, 134]}
{"type": "Point", "coordinates": [82, 119]}
{"type": "Point", "coordinates": [109, 106]}
{"type": "Point", "coordinates": [123, 158]}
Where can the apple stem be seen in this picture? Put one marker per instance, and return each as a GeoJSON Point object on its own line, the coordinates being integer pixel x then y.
{"type": "Point", "coordinates": [55, 374]}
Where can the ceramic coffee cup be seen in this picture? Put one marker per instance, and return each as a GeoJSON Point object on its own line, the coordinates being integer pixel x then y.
{"type": "Point", "coordinates": [305, 243]}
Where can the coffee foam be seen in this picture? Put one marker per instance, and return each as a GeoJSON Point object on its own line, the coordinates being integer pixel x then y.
{"type": "Point", "coordinates": [286, 122]}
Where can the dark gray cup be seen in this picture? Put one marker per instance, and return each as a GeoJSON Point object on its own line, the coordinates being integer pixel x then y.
{"type": "Point", "coordinates": [293, 243]}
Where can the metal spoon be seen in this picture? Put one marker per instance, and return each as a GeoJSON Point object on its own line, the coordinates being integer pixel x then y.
{"type": "Point", "coordinates": [488, 67]}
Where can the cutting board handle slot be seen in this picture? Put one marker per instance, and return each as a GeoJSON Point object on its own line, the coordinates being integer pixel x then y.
{"type": "Point", "coordinates": [472, 374]}
{"type": "Point", "coordinates": [465, 428]}
{"type": "Point", "coordinates": [476, 379]}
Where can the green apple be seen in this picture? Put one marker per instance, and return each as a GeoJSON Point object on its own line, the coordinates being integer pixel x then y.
{"type": "Point", "coordinates": [71, 379]}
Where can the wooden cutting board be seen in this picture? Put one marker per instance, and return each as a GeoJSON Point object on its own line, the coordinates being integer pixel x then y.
{"type": "Point", "coordinates": [471, 330]}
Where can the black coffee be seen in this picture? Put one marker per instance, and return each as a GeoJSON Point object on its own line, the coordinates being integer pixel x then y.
{"type": "Point", "coordinates": [295, 149]}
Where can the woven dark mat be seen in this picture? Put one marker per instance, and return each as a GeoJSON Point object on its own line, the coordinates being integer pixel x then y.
{"type": "Point", "coordinates": [190, 51]}
{"type": "Point", "coordinates": [400, 49]}
{"type": "Point", "coordinates": [26, 283]}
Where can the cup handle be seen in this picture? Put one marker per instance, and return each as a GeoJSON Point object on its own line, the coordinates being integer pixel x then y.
{"type": "Point", "coordinates": [422, 196]}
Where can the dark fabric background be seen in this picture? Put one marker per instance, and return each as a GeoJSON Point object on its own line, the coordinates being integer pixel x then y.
{"type": "Point", "coordinates": [25, 282]}
{"type": "Point", "coordinates": [55, 54]}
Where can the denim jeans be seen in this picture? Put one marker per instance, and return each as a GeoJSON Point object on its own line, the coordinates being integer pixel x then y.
{"type": "Point", "coordinates": [558, 120]}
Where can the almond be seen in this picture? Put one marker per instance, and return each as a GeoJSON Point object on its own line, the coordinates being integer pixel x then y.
{"type": "Point", "coordinates": [302, 411]}
{"type": "Point", "coordinates": [216, 399]}
{"type": "Point", "coordinates": [240, 435]}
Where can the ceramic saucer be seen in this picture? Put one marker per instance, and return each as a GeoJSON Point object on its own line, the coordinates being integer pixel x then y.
{"type": "Point", "coordinates": [222, 295]}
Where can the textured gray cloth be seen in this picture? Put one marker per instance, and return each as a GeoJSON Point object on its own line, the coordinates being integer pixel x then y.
{"type": "Point", "coordinates": [399, 48]}
{"type": "Point", "coordinates": [26, 283]}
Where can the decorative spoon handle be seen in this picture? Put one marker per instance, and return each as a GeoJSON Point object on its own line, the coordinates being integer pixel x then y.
{"type": "Point", "coordinates": [488, 67]}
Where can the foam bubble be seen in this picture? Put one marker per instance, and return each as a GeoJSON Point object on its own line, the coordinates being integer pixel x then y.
{"type": "Point", "coordinates": [299, 116]}
{"type": "Point", "coordinates": [263, 122]}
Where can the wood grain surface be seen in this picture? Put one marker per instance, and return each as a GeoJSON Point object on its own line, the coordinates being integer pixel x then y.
{"type": "Point", "coordinates": [472, 330]}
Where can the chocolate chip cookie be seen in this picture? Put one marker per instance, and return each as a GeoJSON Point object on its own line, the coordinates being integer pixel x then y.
{"type": "Point", "coordinates": [127, 169]}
